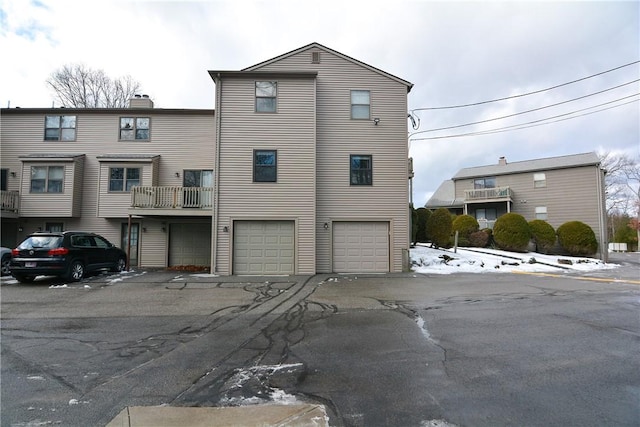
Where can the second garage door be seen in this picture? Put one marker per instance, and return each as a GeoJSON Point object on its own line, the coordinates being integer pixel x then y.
{"type": "Point", "coordinates": [361, 247]}
{"type": "Point", "coordinates": [263, 247]}
{"type": "Point", "coordinates": [190, 244]}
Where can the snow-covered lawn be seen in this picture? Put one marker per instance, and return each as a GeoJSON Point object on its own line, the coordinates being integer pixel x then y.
{"type": "Point", "coordinates": [479, 260]}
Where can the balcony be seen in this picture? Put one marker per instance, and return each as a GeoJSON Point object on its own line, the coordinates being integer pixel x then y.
{"type": "Point", "coordinates": [487, 195]}
{"type": "Point", "coordinates": [10, 204]}
{"type": "Point", "coordinates": [173, 201]}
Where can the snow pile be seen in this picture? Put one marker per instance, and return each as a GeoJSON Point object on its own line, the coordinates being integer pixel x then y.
{"type": "Point", "coordinates": [479, 260]}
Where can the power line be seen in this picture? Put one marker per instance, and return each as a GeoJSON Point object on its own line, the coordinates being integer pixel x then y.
{"type": "Point", "coordinates": [525, 94]}
{"type": "Point", "coordinates": [527, 111]}
{"type": "Point", "coordinates": [531, 124]}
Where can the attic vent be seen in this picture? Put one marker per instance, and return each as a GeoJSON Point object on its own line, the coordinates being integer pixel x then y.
{"type": "Point", "coordinates": [315, 57]}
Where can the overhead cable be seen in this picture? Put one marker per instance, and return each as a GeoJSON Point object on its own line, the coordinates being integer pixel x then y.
{"type": "Point", "coordinates": [534, 123]}
{"type": "Point", "coordinates": [527, 111]}
{"type": "Point", "coordinates": [525, 94]}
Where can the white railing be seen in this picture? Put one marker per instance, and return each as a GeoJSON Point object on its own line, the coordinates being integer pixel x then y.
{"type": "Point", "coordinates": [488, 193]}
{"type": "Point", "coordinates": [171, 197]}
{"type": "Point", "coordinates": [10, 201]}
{"type": "Point", "coordinates": [486, 223]}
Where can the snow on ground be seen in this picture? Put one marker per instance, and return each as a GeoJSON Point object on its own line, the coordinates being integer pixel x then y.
{"type": "Point", "coordinates": [480, 260]}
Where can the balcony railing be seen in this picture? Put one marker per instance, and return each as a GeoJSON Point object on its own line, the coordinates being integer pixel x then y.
{"type": "Point", "coordinates": [10, 201]}
{"type": "Point", "coordinates": [499, 193]}
{"type": "Point", "coordinates": [172, 197]}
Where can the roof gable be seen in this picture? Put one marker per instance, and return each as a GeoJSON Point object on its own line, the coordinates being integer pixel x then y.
{"type": "Point", "coordinates": [334, 52]}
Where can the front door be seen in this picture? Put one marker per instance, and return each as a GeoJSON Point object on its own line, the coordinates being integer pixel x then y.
{"type": "Point", "coordinates": [135, 232]}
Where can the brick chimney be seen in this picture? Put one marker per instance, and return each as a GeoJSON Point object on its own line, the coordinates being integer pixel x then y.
{"type": "Point", "coordinates": [140, 101]}
{"type": "Point", "coordinates": [502, 161]}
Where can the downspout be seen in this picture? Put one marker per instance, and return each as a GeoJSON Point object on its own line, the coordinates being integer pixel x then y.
{"type": "Point", "coordinates": [216, 180]}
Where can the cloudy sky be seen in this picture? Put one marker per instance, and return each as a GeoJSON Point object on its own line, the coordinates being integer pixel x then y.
{"type": "Point", "coordinates": [455, 53]}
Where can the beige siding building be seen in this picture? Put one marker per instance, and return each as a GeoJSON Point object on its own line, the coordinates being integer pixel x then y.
{"type": "Point", "coordinates": [554, 189]}
{"type": "Point", "coordinates": [302, 169]}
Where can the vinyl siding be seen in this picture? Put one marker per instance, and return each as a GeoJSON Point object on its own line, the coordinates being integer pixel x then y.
{"type": "Point", "coordinates": [291, 132]}
{"type": "Point", "coordinates": [181, 140]}
{"type": "Point", "coordinates": [570, 194]}
{"type": "Point", "coordinates": [338, 136]}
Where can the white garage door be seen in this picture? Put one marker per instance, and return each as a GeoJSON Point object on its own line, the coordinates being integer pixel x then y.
{"type": "Point", "coordinates": [190, 244]}
{"type": "Point", "coordinates": [263, 247]}
{"type": "Point", "coordinates": [360, 247]}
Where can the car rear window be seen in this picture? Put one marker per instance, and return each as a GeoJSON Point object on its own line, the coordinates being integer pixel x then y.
{"type": "Point", "coordinates": [37, 242]}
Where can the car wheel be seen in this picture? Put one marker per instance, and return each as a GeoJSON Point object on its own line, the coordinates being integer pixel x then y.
{"type": "Point", "coordinates": [6, 260]}
{"type": "Point", "coordinates": [24, 279]}
{"type": "Point", "coordinates": [121, 265]}
{"type": "Point", "coordinates": [76, 271]}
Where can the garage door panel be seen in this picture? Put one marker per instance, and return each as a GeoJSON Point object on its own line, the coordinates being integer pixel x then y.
{"type": "Point", "coordinates": [190, 244]}
{"type": "Point", "coordinates": [360, 247]}
{"type": "Point", "coordinates": [263, 247]}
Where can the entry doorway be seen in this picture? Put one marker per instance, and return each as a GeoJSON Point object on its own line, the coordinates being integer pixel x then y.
{"type": "Point", "coordinates": [135, 233]}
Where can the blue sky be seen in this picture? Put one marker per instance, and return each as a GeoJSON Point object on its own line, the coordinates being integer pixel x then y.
{"type": "Point", "coordinates": [453, 52]}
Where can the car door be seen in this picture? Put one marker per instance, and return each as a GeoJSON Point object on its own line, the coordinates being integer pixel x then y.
{"type": "Point", "coordinates": [111, 253]}
{"type": "Point", "coordinates": [85, 248]}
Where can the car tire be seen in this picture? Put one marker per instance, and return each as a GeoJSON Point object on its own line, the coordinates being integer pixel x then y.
{"type": "Point", "coordinates": [6, 260]}
{"type": "Point", "coordinates": [120, 266]}
{"type": "Point", "coordinates": [76, 271]}
{"type": "Point", "coordinates": [24, 279]}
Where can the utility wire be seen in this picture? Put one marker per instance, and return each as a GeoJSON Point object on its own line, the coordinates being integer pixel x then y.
{"type": "Point", "coordinates": [527, 111]}
{"type": "Point", "coordinates": [525, 94]}
{"type": "Point", "coordinates": [533, 123]}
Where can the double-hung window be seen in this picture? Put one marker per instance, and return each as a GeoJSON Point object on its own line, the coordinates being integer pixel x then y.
{"type": "Point", "coordinates": [122, 179]}
{"type": "Point", "coordinates": [266, 97]}
{"type": "Point", "coordinates": [361, 169]}
{"type": "Point", "coordinates": [265, 166]}
{"type": "Point", "coordinates": [47, 179]}
{"type": "Point", "coordinates": [60, 128]}
{"type": "Point", "coordinates": [539, 180]}
{"type": "Point", "coordinates": [134, 128]}
{"type": "Point", "coordinates": [360, 104]}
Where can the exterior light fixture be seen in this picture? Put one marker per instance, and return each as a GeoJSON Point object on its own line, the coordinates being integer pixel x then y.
{"type": "Point", "coordinates": [326, 225]}
{"type": "Point", "coordinates": [225, 229]}
{"type": "Point", "coordinates": [376, 121]}
{"type": "Point", "coordinates": [13, 174]}
{"type": "Point", "coordinates": [177, 174]}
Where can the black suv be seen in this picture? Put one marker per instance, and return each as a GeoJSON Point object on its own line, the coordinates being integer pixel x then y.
{"type": "Point", "coordinates": [68, 254]}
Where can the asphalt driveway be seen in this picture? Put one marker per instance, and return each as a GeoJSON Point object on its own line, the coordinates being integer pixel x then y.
{"type": "Point", "coordinates": [388, 350]}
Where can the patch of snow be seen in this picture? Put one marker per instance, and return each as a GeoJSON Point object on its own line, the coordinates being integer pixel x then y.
{"type": "Point", "coordinates": [35, 377]}
{"type": "Point", "coordinates": [58, 286]}
{"type": "Point", "coordinates": [282, 397]}
{"type": "Point", "coordinates": [436, 423]}
{"type": "Point", "coordinates": [204, 275]}
{"type": "Point", "coordinates": [480, 260]}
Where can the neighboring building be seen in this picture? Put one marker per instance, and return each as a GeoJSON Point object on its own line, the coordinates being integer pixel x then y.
{"type": "Point", "coordinates": [555, 189]}
{"type": "Point", "coordinates": [301, 169]}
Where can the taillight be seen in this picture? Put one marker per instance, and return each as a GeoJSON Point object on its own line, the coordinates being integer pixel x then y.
{"type": "Point", "coordinates": [58, 251]}
{"type": "Point", "coordinates": [15, 252]}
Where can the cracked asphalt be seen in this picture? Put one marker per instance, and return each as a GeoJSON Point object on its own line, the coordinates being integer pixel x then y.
{"type": "Point", "coordinates": [378, 350]}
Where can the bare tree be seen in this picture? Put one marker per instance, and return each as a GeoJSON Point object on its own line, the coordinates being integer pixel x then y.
{"type": "Point", "coordinates": [79, 86]}
{"type": "Point", "coordinates": [622, 186]}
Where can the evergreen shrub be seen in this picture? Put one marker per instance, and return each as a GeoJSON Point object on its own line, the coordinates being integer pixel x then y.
{"type": "Point", "coordinates": [511, 232]}
{"type": "Point", "coordinates": [577, 238]}
{"type": "Point", "coordinates": [543, 234]}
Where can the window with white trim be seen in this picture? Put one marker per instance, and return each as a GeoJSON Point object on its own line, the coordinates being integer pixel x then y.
{"type": "Point", "coordinates": [134, 128]}
{"type": "Point", "coordinates": [122, 179]}
{"type": "Point", "coordinates": [47, 179]}
{"type": "Point", "coordinates": [541, 212]}
{"type": "Point", "coordinates": [360, 104]}
{"type": "Point", "coordinates": [60, 128]}
{"type": "Point", "coordinates": [539, 180]}
{"type": "Point", "coordinates": [266, 97]}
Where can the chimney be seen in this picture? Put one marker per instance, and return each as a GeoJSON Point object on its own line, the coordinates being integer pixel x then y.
{"type": "Point", "coordinates": [140, 101]}
{"type": "Point", "coordinates": [502, 161]}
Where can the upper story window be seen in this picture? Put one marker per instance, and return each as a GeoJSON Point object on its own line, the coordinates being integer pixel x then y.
{"type": "Point", "coordinates": [265, 166]}
{"type": "Point", "coordinates": [122, 179]}
{"type": "Point", "coordinates": [266, 96]}
{"type": "Point", "coordinates": [134, 128]}
{"type": "Point", "coordinates": [47, 179]}
{"type": "Point", "coordinates": [480, 183]}
{"type": "Point", "coordinates": [539, 180]}
{"type": "Point", "coordinates": [360, 104]}
{"type": "Point", "coordinates": [60, 128]}
{"type": "Point", "coordinates": [198, 178]}
{"type": "Point", "coordinates": [361, 170]}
